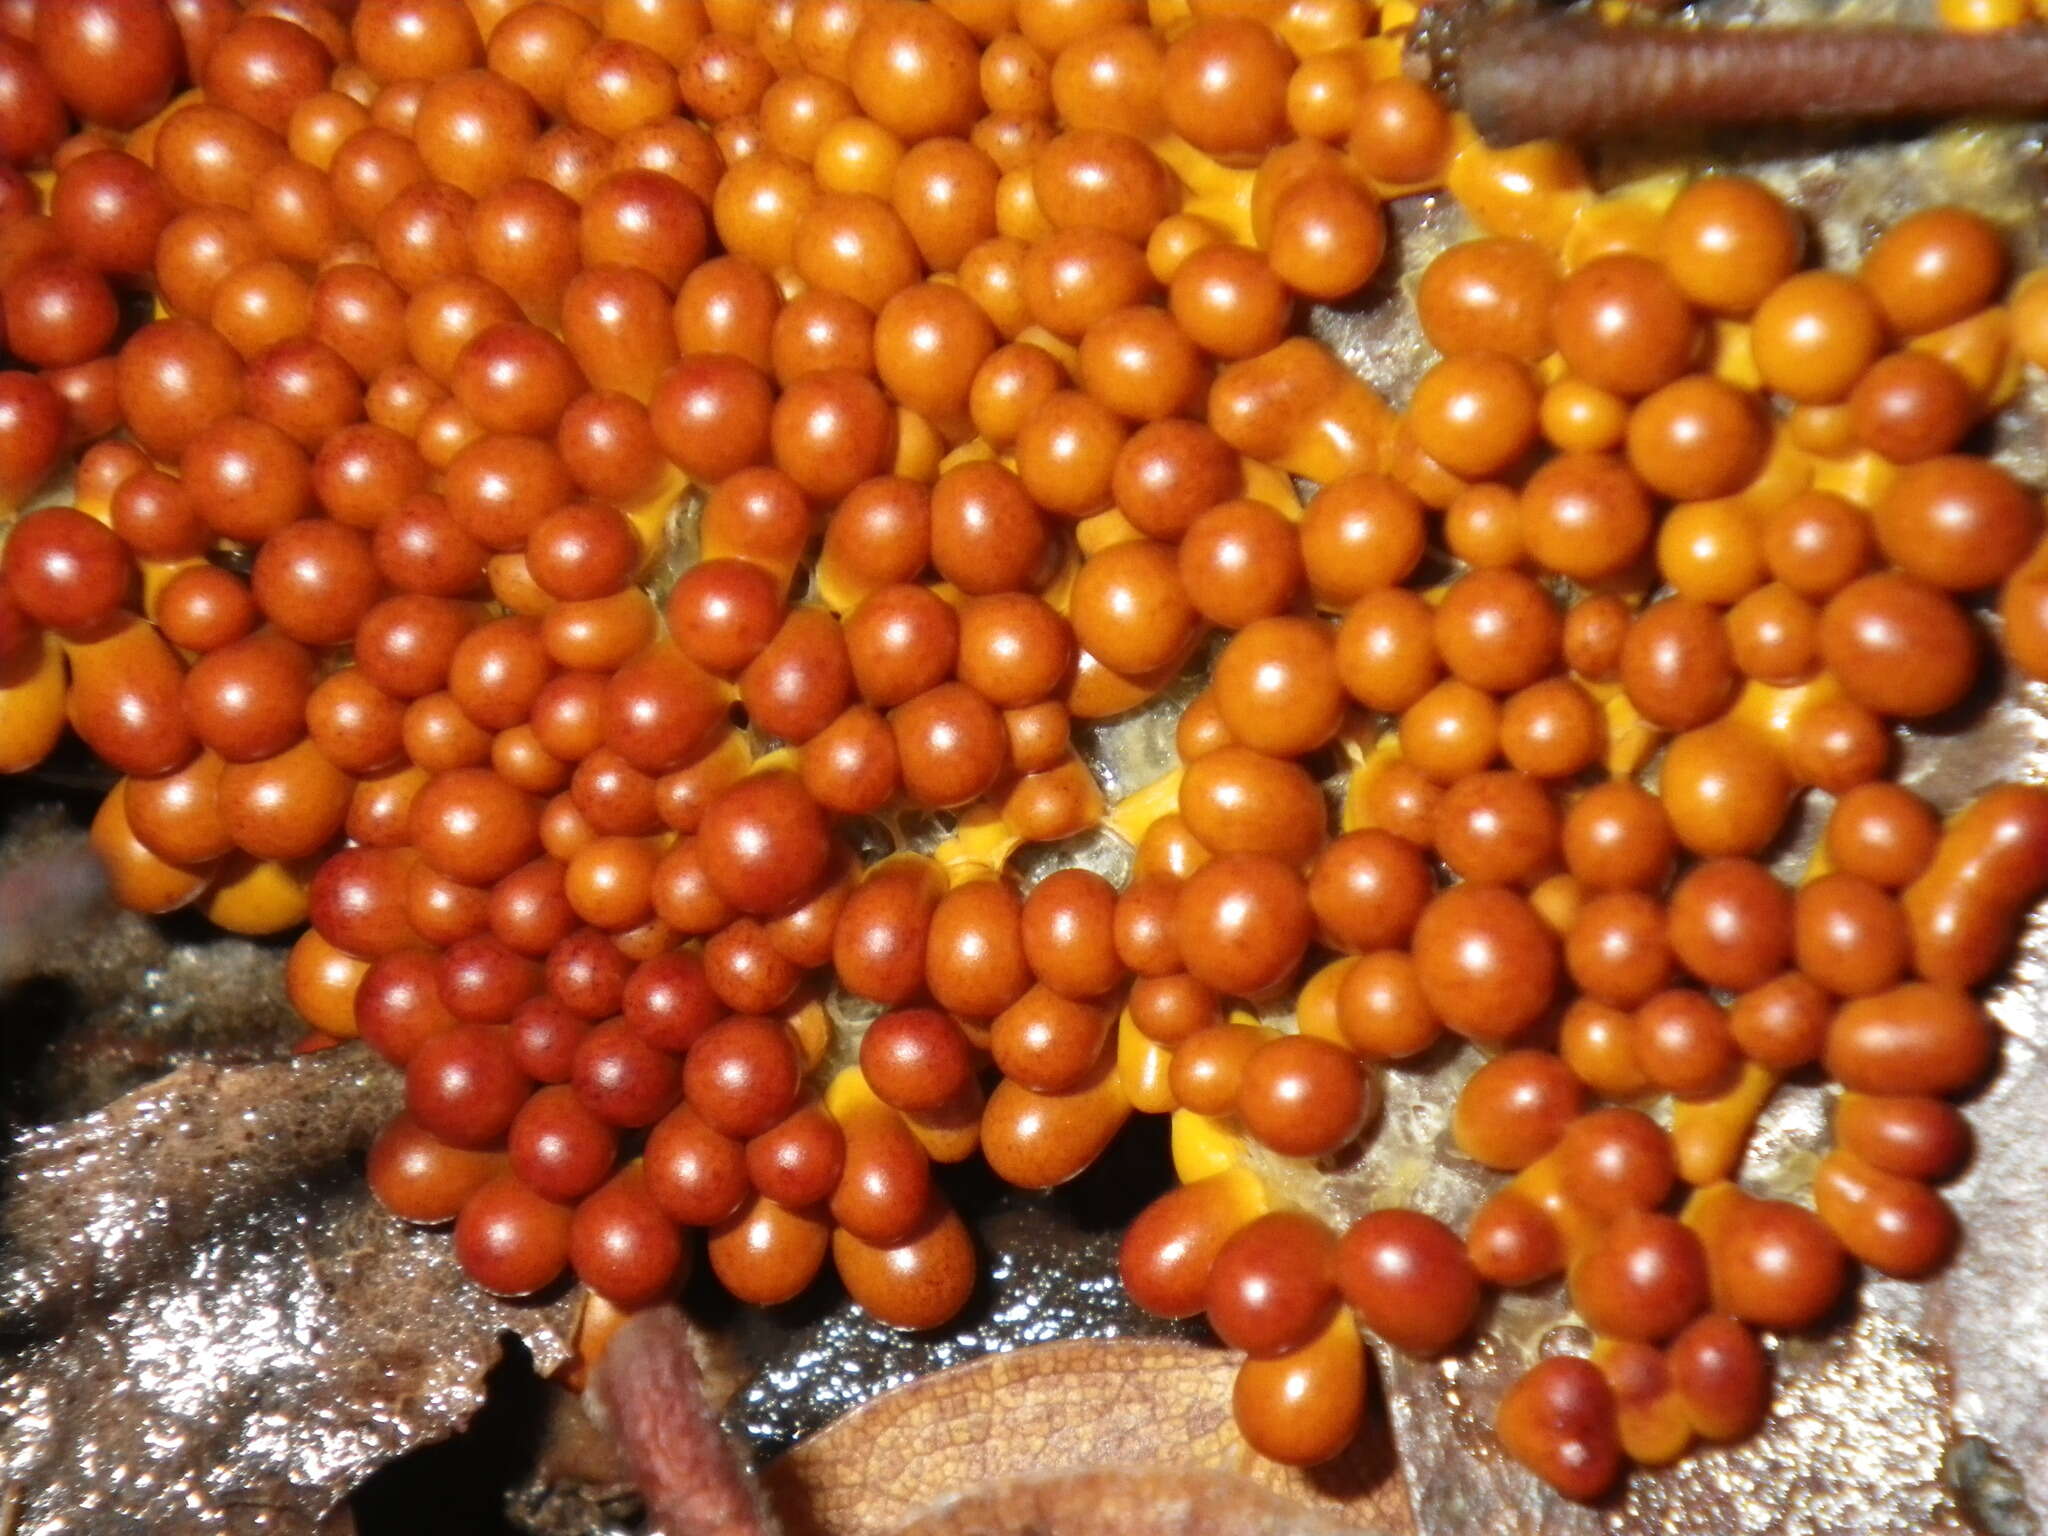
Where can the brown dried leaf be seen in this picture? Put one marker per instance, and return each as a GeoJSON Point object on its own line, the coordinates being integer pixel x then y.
{"type": "Point", "coordinates": [1155, 1412]}
{"type": "Point", "coordinates": [1143, 1503]}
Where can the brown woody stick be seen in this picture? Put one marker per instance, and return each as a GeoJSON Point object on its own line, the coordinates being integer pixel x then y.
{"type": "Point", "coordinates": [1526, 77]}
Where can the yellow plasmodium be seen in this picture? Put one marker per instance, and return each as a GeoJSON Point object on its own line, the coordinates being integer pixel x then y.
{"type": "Point", "coordinates": [31, 704]}
{"type": "Point", "coordinates": [257, 896]}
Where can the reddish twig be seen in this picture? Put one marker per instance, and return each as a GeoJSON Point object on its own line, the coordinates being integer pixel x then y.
{"type": "Point", "coordinates": [650, 1393]}
{"type": "Point", "coordinates": [1524, 77]}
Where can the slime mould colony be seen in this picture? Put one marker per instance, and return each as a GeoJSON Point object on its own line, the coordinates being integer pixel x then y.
{"type": "Point", "coordinates": [974, 328]}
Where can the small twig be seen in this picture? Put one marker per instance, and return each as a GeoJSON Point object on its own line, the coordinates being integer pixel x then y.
{"type": "Point", "coordinates": [650, 1393]}
{"type": "Point", "coordinates": [1523, 77]}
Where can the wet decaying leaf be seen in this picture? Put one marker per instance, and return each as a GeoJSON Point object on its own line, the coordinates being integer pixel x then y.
{"type": "Point", "coordinates": [231, 1334]}
{"type": "Point", "coordinates": [1989, 1309]}
{"type": "Point", "coordinates": [102, 1000]}
{"type": "Point", "coordinates": [96, 1205]}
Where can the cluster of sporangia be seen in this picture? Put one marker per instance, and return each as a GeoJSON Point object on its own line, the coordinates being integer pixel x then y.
{"type": "Point", "coordinates": [976, 319]}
